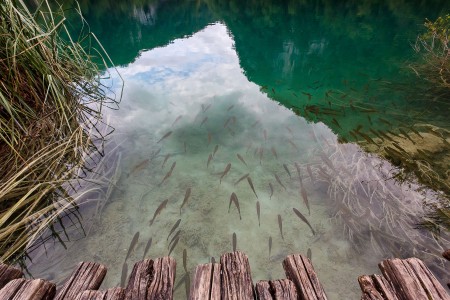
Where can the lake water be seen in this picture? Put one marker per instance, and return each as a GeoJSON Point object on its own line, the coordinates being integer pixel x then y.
{"type": "Point", "coordinates": [215, 91]}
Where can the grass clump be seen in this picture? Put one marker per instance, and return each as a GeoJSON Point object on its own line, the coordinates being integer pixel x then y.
{"type": "Point", "coordinates": [51, 98]}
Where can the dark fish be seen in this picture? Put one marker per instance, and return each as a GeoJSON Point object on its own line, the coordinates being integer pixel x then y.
{"type": "Point", "coordinates": [336, 123]}
{"type": "Point", "coordinates": [184, 260]}
{"type": "Point", "coordinates": [168, 174]}
{"type": "Point", "coordinates": [209, 138]}
{"type": "Point", "coordinates": [270, 246]}
{"type": "Point", "coordinates": [261, 154]}
{"type": "Point", "coordinates": [225, 172]}
{"type": "Point", "coordinates": [147, 247]}
{"type": "Point", "coordinates": [157, 152]}
{"type": "Point", "coordinates": [251, 185]}
{"type": "Point", "coordinates": [204, 120]}
{"type": "Point", "coordinates": [241, 159]}
{"type": "Point", "coordinates": [209, 160]}
{"type": "Point", "coordinates": [158, 210]}
{"type": "Point", "coordinates": [181, 281]}
{"type": "Point", "coordinates": [279, 181]}
{"type": "Point", "coordinates": [256, 123]}
{"type": "Point", "coordinates": [271, 190]}
{"type": "Point", "coordinates": [258, 211]}
{"type": "Point", "coordinates": [174, 227]}
{"type": "Point", "coordinates": [174, 238]}
{"type": "Point", "coordinates": [298, 171]}
{"type": "Point", "coordinates": [231, 131]}
{"type": "Point", "coordinates": [124, 274]}
{"type": "Point", "coordinates": [165, 160]}
{"type": "Point", "coordinates": [234, 242]}
{"type": "Point", "coordinates": [287, 170]}
{"type": "Point", "coordinates": [230, 108]}
{"type": "Point", "coordinates": [205, 108]}
{"type": "Point", "coordinates": [280, 225]}
{"type": "Point", "coordinates": [309, 254]}
{"type": "Point", "coordinates": [132, 244]}
{"type": "Point", "coordinates": [139, 167]}
{"type": "Point", "coordinates": [308, 95]}
{"type": "Point", "coordinates": [234, 198]}
{"type": "Point", "coordinates": [186, 198]}
{"type": "Point", "coordinates": [176, 120]}
{"type": "Point", "coordinates": [173, 246]}
{"type": "Point", "coordinates": [305, 198]}
{"type": "Point", "coordinates": [293, 145]}
{"type": "Point", "coordinates": [299, 214]}
{"type": "Point", "coordinates": [213, 260]}
{"type": "Point", "coordinates": [164, 136]}
{"type": "Point", "coordinates": [215, 150]}
{"type": "Point", "coordinates": [242, 178]}
{"type": "Point", "coordinates": [406, 135]}
{"type": "Point", "coordinates": [226, 122]}
{"type": "Point", "coordinates": [265, 135]}
{"type": "Point", "coordinates": [274, 152]}
{"type": "Point", "coordinates": [187, 285]}
{"type": "Point", "coordinates": [385, 121]}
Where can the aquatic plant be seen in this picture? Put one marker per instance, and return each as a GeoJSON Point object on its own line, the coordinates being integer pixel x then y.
{"type": "Point", "coordinates": [51, 99]}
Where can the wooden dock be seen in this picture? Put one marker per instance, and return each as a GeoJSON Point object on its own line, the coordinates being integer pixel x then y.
{"type": "Point", "coordinates": [407, 279]}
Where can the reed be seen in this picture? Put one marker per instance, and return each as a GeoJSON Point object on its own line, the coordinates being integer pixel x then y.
{"type": "Point", "coordinates": [51, 99]}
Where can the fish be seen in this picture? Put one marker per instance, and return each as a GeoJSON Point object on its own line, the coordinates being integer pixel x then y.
{"type": "Point", "coordinates": [265, 135]}
{"type": "Point", "coordinates": [280, 225]}
{"type": "Point", "coordinates": [336, 123]}
{"type": "Point", "coordinates": [187, 285]}
{"type": "Point", "coordinates": [309, 254]}
{"type": "Point", "coordinates": [241, 159]}
{"type": "Point", "coordinates": [209, 160]}
{"type": "Point", "coordinates": [204, 120]}
{"type": "Point", "coordinates": [213, 260]}
{"type": "Point", "coordinates": [209, 138]}
{"type": "Point", "coordinates": [185, 147]}
{"type": "Point", "coordinates": [231, 131]}
{"type": "Point", "coordinates": [185, 259]}
{"type": "Point", "coordinates": [305, 198]}
{"type": "Point", "coordinates": [293, 145]}
{"type": "Point", "coordinates": [301, 216]}
{"type": "Point", "coordinates": [132, 244]}
{"type": "Point", "coordinates": [234, 198]}
{"type": "Point", "coordinates": [234, 242]}
{"type": "Point", "coordinates": [124, 274]}
{"type": "Point", "coordinates": [186, 198]}
{"type": "Point", "coordinates": [261, 154]}
{"type": "Point", "coordinates": [168, 174]}
{"type": "Point", "coordinates": [174, 227]}
{"type": "Point", "coordinates": [296, 96]}
{"type": "Point", "coordinates": [271, 190]}
{"type": "Point", "coordinates": [367, 138]}
{"type": "Point", "coordinates": [270, 246]}
{"type": "Point", "coordinates": [165, 160]}
{"type": "Point", "coordinates": [139, 167]}
{"type": "Point", "coordinates": [230, 108]}
{"type": "Point", "coordinates": [249, 180]}
{"type": "Point", "coordinates": [225, 172]}
{"type": "Point", "coordinates": [147, 247]}
{"type": "Point", "coordinates": [164, 136]}
{"type": "Point", "coordinates": [176, 120]}
{"type": "Point", "coordinates": [273, 90]}
{"type": "Point", "coordinates": [215, 150]}
{"type": "Point", "coordinates": [287, 170]}
{"type": "Point", "coordinates": [205, 108]}
{"type": "Point", "coordinates": [258, 211]}
{"type": "Point", "coordinates": [156, 153]}
{"type": "Point", "coordinates": [385, 121]}
{"type": "Point", "coordinates": [298, 171]}
{"type": "Point", "coordinates": [406, 135]}
{"type": "Point", "coordinates": [254, 124]}
{"type": "Point", "coordinates": [279, 181]}
{"type": "Point", "coordinates": [415, 131]}
{"type": "Point", "coordinates": [274, 152]}
{"type": "Point", "coordinates": [308, 95]}
{"type": "Point", "coordinates": [242, 178]}
{"type": "Point", "coordinates": [158, 210]}
{"type": "Point", "coordinates": [181, 281]}
{"type": "Point", "coordinates": [173, 245]}
{"type": "Point", "coordinates": [226, 122]}
{"type": "Point", "coordinates": [174, 238]}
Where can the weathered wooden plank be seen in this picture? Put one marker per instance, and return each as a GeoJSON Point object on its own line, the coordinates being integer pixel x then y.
{"type": "Point", "coordinates": [282, 289]}
{"type": "Point", "coordinates": [87, 276]}
{"type": "Point", "coordinates": [206, 283]}
{"type": "Point", "coordinates": [152, 279]}
{"type": "Point", "coordinates": [405, 283]}
{"type": "Point", "coordinates": [236, 282]}
{"type": "Point", "coordinates": [25, 289]}
{"type": "Point", "coordinates": [299, 269]}
{"type": "Point", "coordinates": [446, 254]}
{"type": "Point", "coordinates": [8, 273]}
{"type": "Point", "coordinates": [429, 283]}
{"type": "Point", "coordinates": [117, 293]}
{"type": "Point", "coordinates": [376, 287]}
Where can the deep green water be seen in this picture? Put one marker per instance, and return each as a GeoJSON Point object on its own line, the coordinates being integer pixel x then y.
{"type": "Point", "coordinates": [279, 84]}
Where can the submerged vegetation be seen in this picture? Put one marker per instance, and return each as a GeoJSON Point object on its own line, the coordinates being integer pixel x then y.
{"type": "Point", "coordinates": [51, 99]}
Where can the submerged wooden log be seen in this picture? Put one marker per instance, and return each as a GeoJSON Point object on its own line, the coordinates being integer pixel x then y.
{"type": "Point", "coordinates": [376, 287]}
{"type": "Point", "coordinates": [8, 273]}
{"type": "Point", "coordinates": [236, 282]}
{"type": "Point", "coordinates": [87, 276]}
{"type": "Point", "coordinates": [152, 279]}
{"type": "Point", "coordinates": [25, 289]}
{"type": "Point", "coordinates": [206, 284]}
{"type": "Point", "coordinates": [282, 289]}
{"type": "Point", "coordinates": [117, 293]}
{"type": "Point", "coordinates": [411, 279]}
{"type": "Point", "coordinates": [299, 269]}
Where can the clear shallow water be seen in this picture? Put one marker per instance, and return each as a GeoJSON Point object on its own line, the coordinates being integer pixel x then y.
{"type": "Point", "coordinates": [360, 215]}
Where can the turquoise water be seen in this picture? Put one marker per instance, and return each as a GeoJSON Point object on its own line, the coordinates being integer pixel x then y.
{"type": "Point", "coordinates": [251, 80]}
